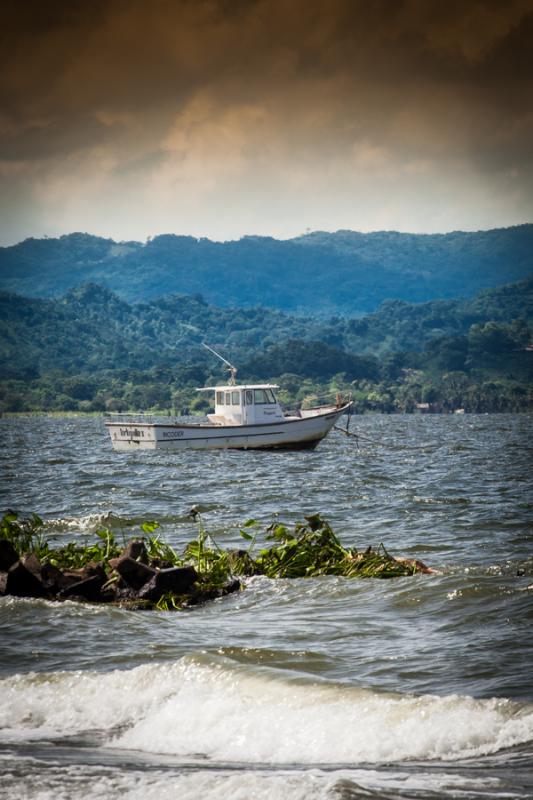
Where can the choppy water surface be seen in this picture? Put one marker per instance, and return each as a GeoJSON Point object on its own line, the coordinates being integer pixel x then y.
{"type": "Point", "coordinates": [323, 688]}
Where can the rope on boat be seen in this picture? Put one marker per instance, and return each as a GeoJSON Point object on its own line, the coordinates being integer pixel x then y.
{"type": "Point", "coordinates": [348, 433]}
{"type": "Point", "coordinates": [376, 442]}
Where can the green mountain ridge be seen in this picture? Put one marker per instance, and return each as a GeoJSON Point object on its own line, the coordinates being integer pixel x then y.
{"type": "Point", "coordinates": [91, 350]}
{"type": "Point", "coordinates": [321, 273]}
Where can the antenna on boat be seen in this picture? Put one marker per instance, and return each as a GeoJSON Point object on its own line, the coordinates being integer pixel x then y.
{"type": "Point", "coordinates": [232, 369]}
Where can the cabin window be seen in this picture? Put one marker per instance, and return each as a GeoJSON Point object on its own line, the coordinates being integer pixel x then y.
{"type": "Point", "coordinates": [236, 398]}
{"type": "Point", "coordinates": [220, 398]}
{"type": "Point", "coordinates": [263, 396]}
{"type": "Point", "coordinates": [228, 398]}
{"type": "Point", "coordinates": [249, 397]}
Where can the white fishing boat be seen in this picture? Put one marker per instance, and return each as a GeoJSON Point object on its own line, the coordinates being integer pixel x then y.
{"type": "Point", "coordinates": [246, 417]}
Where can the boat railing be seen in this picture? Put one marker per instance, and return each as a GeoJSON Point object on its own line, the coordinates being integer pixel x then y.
{"type": "Point", "coordinates": [139, 416]}
{"type": "Point", "coordinates": [150, 418]}
{"type": "Point", "coordinates": [321, 401]}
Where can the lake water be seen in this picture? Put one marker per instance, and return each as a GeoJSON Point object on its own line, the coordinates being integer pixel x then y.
{"type": "Point", "coordinates": [417, 687]}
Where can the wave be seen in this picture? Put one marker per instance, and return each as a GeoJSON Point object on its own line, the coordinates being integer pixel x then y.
{"type": "Point", "coordinates": [210, 708]}
{"type": "Point", "coordinates": [82, 783]}
{"type": "Point", "coordinates": [88, 523]}
{"type": "Point", "coordinates": [60, 781]}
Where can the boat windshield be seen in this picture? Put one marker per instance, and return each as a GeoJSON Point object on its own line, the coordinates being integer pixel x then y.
{"type": "Point", "coordinates": [263, 396]}
{"type": "Point", "coordinates": [258, 397]}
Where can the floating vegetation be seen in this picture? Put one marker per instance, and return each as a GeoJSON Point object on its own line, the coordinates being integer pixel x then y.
{"type": "Point", "coordinates": [148, 573]}
{"type": "Point", "coordinates": [25, 534]}
{"type": "Point", "coordinates": [313, 549]}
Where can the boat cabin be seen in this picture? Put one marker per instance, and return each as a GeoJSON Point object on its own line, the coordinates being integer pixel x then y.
{"type": "Point", "coordinates": [254, 404]}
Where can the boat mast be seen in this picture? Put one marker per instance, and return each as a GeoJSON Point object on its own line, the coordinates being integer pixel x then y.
{"type": "Point", "coordinates": [231, 368]}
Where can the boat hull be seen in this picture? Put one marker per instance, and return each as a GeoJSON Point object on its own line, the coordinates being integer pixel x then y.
{"type": "Point", "coordinates": [291, 433]}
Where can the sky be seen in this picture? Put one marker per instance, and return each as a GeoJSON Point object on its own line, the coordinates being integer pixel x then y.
{"type": "Point", "coordinates": [225, 118]}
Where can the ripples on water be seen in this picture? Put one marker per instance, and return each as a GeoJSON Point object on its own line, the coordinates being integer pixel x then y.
{"type": "Point", "coordinates": [291, 689]}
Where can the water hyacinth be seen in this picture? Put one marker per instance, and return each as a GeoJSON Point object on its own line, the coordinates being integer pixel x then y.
{"type": "Point", "coordinates": [309, 550]}
{"type": "Point", "coordinates": [313, 549]}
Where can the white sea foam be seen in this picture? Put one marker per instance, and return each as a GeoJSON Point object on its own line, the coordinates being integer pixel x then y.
{"type": "Point", "coordinates": [86, 522]}
{"type": "Point", "coordinates": [230, 713]}
{"type": "Point", "coordinates": [88, 782]}
{"type": "Point", "coordinates": [73, 783]}
{"type": "Point", "coordinates": [79, 783]}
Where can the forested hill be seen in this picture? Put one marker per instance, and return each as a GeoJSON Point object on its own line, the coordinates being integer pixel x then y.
{"type": "Point", "coordinates": [92, 328]}
{"type": "Point", "coordinates": [344, 272]}
{"type": "Point", "coordinates": [91, 350]}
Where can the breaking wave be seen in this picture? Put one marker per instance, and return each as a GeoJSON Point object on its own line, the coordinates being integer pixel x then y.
{"type": "Point", "coordinates": [203, 707]}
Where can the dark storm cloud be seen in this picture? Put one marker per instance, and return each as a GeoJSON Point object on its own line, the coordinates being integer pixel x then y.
{"type": "Point", "coordinates": [129, 55]}
{"type": "Point", "coordinates": [271, 93]}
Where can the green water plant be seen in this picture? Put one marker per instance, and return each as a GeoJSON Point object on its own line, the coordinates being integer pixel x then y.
{"type": "Point", "coordinates": [309, 549]}
{"type": "Point", "coordinates": [170, 602]}
{"type": "Point", "coordinates": [77, 556]}
{"type": "Point", "coordinates": [24, 534]}
{"type": "Point", "coordinates": [212, 563]}
{"type": "Point", "coordinates": [313, 549]}
{"type": "Point", "coordinates": [27, 536]}
{"type": "Point", "coordinates": [157, 550]}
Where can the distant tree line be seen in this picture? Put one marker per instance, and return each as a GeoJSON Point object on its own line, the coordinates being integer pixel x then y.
{"type": "Point", "coordinates": [90, 351]}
